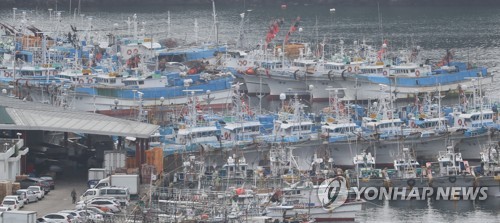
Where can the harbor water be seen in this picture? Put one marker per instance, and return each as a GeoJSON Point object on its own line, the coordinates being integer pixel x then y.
{"type": "Point", "coordinates": [472, 33]}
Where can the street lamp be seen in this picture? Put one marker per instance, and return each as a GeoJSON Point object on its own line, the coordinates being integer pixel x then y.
{"type": "Point", "coordinates": [162, 99]}
{"type": "Point", "coordinates": [283, 98]}
{"type": "Point", "coordinates": [311, 87]}
{"type": "Point", "coordinates": [209, 99]}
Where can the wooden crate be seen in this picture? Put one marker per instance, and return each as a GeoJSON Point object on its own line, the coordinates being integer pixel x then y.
{"type": "Point", "coordinates": [21, 177]}
{"type": "Point", "coordinates": [132, 170]}
{"type": "Point", "coordinates": [15, 187]}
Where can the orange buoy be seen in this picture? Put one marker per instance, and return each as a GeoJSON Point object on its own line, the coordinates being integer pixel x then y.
{"type": "Point", "coordinates": [192, 71]}
{"type": "Point", "coordinates": [250, 71]}
{"type": "Point", "coordinates": [240, 191]}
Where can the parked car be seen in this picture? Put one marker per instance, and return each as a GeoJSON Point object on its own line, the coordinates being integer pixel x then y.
{"type": "Point", "coordinates": [29, 195]}
{"type": "Point", "coordinates": [40, 193]}
{"type": "Point", "coordinates": [102, 198]}
{"type": "Point", "coordinates": [101, 203]}
{"type": "Point", "coordinates": [19, 200]}
{"type": "Point", "coordinates": [106, 215]}
{"type": "Point", "coordinates": [45, 186]}
{"type": "Point", "coordinates": [10, 203]}
{"type": "Point", "coordinates": [91, 216]}
{"type": "Point", "coordinates": [2, 209]}
{"type": "Point", "coordinates": [58, 217]}
{"type": "Point", "coordinates": [76, 216]}
{"type": "Point", "coordinates": [50, 180]}
{"type": "Point", "coordinates": [30, 182]}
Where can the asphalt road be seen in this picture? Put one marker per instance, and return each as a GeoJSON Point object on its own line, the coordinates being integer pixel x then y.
{"type": "Point", "coordinates": [60, 198]}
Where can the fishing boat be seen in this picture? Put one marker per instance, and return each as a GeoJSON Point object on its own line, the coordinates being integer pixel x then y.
{"type": "Point", "coordinates": [293, 202]}
{"type": "Point", "coordinates": [101, 96]}
{"type": "Point", "coordinates": [450, 170]}
{"type": "Point", "coordinates": [407, 172]}
{"type": "Point", "coordinates": [488, 173]}
{"type": "Point", "coordinates": [365, 174]}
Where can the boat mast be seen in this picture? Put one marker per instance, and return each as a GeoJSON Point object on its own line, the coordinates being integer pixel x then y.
{"type": "Point", "coordinates": [380, 22]}
{"type": "Point", "coordinates": [216, 28]}
{"type": "Point", "coordinates": [196, 31]}
{"type": "Point", "coordinates": [168, 24]}
{"type": "Point", "coordinates": [241, 31]}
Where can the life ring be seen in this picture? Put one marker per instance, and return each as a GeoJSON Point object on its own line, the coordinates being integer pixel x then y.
{"type": "Point", "coordinates": [349, 69]}
{"type": "Point", "coordinates": [81, 81]}
{"type": "Point", "coordinates": [7, 74]}
{"type": "Point", "coordinates": [384, 73]}
{"type": "Point", "coordinates": [452, 179]}
{"type": "Point", "coordinates": [89, 81]}
{"type": "Point", "coordinates": [356, 68]}
{"type": "Point", "coordinates": [460, 122]}
{"type": "Point", "coordinates": [227, 135]}
{"type": "Point", "coordinates": [129, 52]}
{"type": "Point", "coordinates": [417, 73]}
{"type": "Point", "coordinates": [411, 182]}
{"type": "Point", "coordinates": [244, 63]}
{"type": "Point", "coordinates": [413, 125]}
{"type": "Point", "coordinates": [136, 51]}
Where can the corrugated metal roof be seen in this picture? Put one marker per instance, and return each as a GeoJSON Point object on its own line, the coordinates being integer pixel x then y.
{"type": "Point", "coordinates": [4, 117]}
{"type": "Point", "coordinates": [35, 116]}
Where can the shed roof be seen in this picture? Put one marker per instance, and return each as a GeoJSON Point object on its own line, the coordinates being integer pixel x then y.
{"type": "Point", "coordinates": [24, 115]}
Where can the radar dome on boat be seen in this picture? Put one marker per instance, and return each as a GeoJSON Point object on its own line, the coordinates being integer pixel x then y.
{"type": "Point", "coordinates": [282, 96]}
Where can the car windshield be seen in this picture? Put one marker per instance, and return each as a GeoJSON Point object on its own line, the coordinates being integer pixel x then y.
{"type": "Point", "coordinates": [9, 202]}
{"type": "Point", "coordinates": [33, 188]}
{"type": "Point", "coordinates": [20, 192]}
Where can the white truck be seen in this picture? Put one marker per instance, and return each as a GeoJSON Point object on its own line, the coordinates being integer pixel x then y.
{"type": "Point", "coordinates": [129, 181]}
{"type": "Point", "coordinates": [95, 175]}
{"type": "Point", "coordinates": [18, 216]}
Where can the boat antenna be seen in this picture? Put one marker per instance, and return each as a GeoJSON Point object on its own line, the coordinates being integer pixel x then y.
{"type": "Point", "coordinates": [196, 31]}
{"type": "Point", "coordinates": [380, 22]}
{"type": "Point", "coordinates": [168, 24]}
{"type": "Point", "coordinates": [216, 31]}
{"type": "Point", "coordinates": [241, 31]}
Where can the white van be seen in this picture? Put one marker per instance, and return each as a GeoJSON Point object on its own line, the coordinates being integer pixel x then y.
{"type": "Point", "coordinates": [120, 193]}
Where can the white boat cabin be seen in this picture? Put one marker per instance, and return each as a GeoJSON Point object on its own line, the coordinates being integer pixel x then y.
{"type": "Point", "coordinates": [387, 126]}
{"type": "Point", "coordinates": [241, 131]}
{"type": "Point", "coordinates": [474, 119]}
{"type": "Point", "coordinates": [236, 169]}
{"type": "Point", "coordinates": [197, 135]}
{"type": "Point", "coordinates": [293, 128]}
{"type": "Point", "coordinates": [449, 163]}
{"type": "Point", "coordinates": [410, 70]}
{"type": "Point", "coordinates": [76, 77]}
{"type": "Point", "coordinates": [335, 129]}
